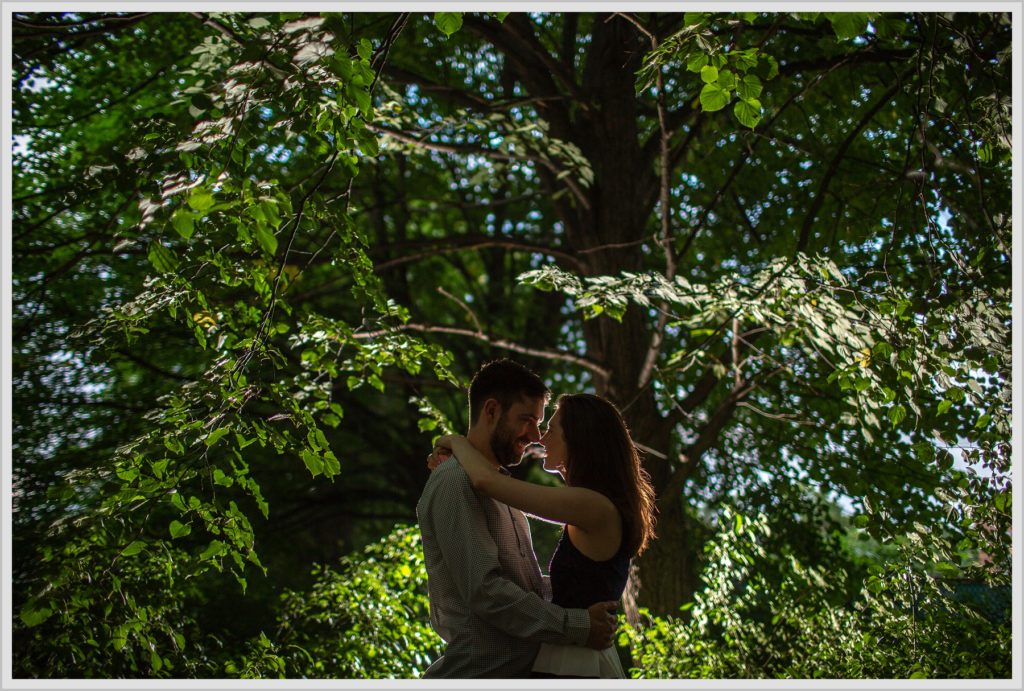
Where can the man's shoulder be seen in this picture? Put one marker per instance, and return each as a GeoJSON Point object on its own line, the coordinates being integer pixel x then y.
{"type": "Point", "coordinates": [447, 492]}
{"type": "Point", "coordinates": [446, 478]}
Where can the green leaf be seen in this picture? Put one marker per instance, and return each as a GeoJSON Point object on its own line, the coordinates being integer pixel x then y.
{"type": "Point", "coordinates": [162, 259]}
{"type": "Point", "coordinates": [369, 144]}
{"type": "Point", "coordinates": [178, 502]}
{"type": "Point", "coordinates": [1003, 501]}
{"type": "Point", "coordinates": [362, 100]}
{"type": "Point", "coordinates": [215, 436]}
{"type": "Point", "coordinates": [215, 549]}
{"type": "Point", "coordinates": [945, 459]}
{"type": "Point", "coordinates": [134, 548]}
{"type": "Point", "coordinates": [709, 74]}
{"type": "Point", "coordinates": [897, 414]}
{"type": "Point", "coordinates": [944, 405]}
{"type": "Point", "coordinates": [200, 200]}
{"type": "Point", "coordinates": [179, 529]}
{"type": "Point", "coordinates": [331, 464]}
{"type": "Point", "coordinates": [861, 521]}
{"type": "Point", "coordinates": [364, 49]}
{"type": "Point", "coordinates": [184, 222]}
{"type": "Point", "coordinates": [127, 474]}
{"type": "Point", "coordinates": [748, 112]}
{"type": "Point", "coordinates": [266, 239]}
{"type": "Point", "coordinates": [696, 62]}
{"type": "Point", "coordinates": [713, 97]}
{"type": "Point", "coordinates": [313, 462]}
{"type": "Point", "coordinates": [768, 67]}
{"type": "Point", "coordinates": [448, 22]}
{"type": "Point", "coordinates": [748, 87]}
{"type": "Point", "coordinates": [33, 616]}
{"type": "Point", "coordinates": [174, 445]}
{"type": "Point", "coordinates": [848, 25]}
{"type": "Point", "coordinates": [727, 79]}
{"type": "Point", "coordinates": [119, 639]}
{"type": "Point", "coordinates": [924, 451]}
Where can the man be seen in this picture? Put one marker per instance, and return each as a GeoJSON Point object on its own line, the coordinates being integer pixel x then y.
{"type": "Point", "coordinates": [488, 598]}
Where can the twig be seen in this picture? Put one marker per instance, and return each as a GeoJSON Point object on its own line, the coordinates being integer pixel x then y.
{"type": "Point", "coordinates": [651, 358]}
{"type": "Point", "coordinates": [471, 313]}
{"type": "Point", "coordinates": [496, 342]}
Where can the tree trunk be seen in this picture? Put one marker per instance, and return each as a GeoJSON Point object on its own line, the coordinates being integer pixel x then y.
{"type": "Point", "coordinates": [608, 237]}
{"type": "Point", "coordinates": [668, 574]}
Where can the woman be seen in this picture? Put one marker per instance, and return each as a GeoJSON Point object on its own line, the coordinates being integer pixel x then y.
{"type": "Point", "coordinates": [607, 507]}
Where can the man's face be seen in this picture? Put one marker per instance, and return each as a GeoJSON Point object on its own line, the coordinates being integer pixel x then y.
{"type": "Point", "coordinates": [517, 428]}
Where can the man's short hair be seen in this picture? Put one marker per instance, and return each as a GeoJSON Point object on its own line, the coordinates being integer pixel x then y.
{"type": "Point", "coordinates": [506, 381]}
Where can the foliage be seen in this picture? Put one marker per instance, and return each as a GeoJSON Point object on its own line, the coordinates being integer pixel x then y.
{"type": "Point", "coordinates": [364, 619]}
{"type": "Point", "coordinates": [177, 499]}
{"type": "Point", "coordinates": [257, 255]}
{"type": "Point", "coordinates": [903, 624]}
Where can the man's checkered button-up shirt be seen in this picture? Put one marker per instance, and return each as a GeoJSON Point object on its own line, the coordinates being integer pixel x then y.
{"type": "Point", "coordinates": [488, 598]}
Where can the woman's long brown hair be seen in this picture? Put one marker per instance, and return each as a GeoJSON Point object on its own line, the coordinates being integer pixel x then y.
{"type": "Point", "coordinates": [602, 457]}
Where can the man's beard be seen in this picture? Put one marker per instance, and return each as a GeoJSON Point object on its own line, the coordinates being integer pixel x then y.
{"type": "Point", "coordinates": [504, 443]}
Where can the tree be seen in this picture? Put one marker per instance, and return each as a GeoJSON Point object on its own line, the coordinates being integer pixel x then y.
{"type": "Point", "coordinates": [736, 267]}
{"type": "Point", "coordinates": [779, 242]}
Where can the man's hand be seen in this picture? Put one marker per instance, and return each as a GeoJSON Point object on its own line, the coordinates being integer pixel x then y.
{"type": "Point", "coordinates": [603, 623]}
{"type": "Point", "coordinates": [439, 454]}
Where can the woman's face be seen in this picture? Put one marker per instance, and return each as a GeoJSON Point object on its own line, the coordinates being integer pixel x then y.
{"type": "Point", "coordinates": [554, 443]}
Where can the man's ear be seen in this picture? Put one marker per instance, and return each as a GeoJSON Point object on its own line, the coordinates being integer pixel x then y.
{"type": "Point", "coordinates": [492, 411]}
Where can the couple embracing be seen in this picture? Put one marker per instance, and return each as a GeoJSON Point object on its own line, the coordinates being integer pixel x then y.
{"type": "Point", "coordinates": [489, 601]}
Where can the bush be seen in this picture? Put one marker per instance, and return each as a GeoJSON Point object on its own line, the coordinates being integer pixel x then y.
{"type": "Point", "coordinates": [903, 624]}
{"type": "Point", "coordinates": [366, 619]}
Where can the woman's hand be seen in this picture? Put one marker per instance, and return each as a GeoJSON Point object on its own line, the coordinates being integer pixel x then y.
{"type": "Point", "coordinates": [476, 465]}
{"type": "Point", "coordinates": [438, 456]}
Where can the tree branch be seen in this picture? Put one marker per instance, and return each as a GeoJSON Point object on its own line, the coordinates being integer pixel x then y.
{"type": "Point", "coordinates": [654, 349]}
{"type": "Point", "coordinates": [128, 355]}
{"type": "Point", "coordinates": [535, 67]}
{"type": "Point", "coordinates": [469, 242]}
{"type": "Point", "coordinates": [464, 149]}
{"type": "Point", "coordinates": [819, 197]}
{"type": "Point", "coordinates": [496, 342]}
{"type": "Point", "coordinates": [709, 434]}
{"type": "Point", "coordinates": [743, 160]}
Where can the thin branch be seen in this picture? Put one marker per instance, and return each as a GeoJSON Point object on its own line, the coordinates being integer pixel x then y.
{"type": "Point", "coordinates": [496, 342]}
{"type": "Point", "coordinates": [535, 67]}
{"type": "Point", "coordinates": [469, 242]}
{"type": "Point", "coordinates": [819, 197]}
{"type": "Point", "coordinates": [464, 149]}
{"type": "Point", "coordinates": [742, 161]}
{"type": "Point", "coordinates": [657, 338]}
{"type": "Point", "coordinates": [463, 305]}
{"type": "Point", "coordinates": [709, 434]}
{"type": "Point", "coordinates": [442, 247]}
{"type": "Point", "coordinates": [225, 31]}
{"type": "Point", "coordinates": [784, 417]}
{"type": "Point", "coordinates": [616, 245]}
{"type": "Point", "coordinates": [128, 355]}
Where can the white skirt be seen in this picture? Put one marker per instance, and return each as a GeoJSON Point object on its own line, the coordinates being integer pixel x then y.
{"type": "Point", "coordinates": [578, 661]}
